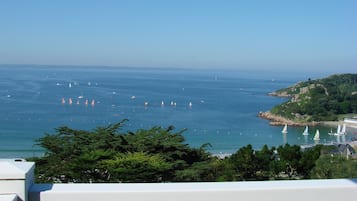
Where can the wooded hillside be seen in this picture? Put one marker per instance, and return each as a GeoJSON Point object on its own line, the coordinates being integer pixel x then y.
{"type": "Point", "coordinates": [319, 100]}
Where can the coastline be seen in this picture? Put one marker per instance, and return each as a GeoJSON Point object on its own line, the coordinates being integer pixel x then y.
{"type": "Point", "coordinates": [276, 120]}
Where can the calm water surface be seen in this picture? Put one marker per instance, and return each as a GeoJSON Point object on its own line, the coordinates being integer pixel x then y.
{"type": "Point", "coordinates": [224, 105]}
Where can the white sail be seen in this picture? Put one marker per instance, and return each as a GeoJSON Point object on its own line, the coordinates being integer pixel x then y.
{"type": "Point", "coordinates": [341, 130]}
{"type": "Point", "coordinates": [306, 131]}
{"type": "Point", "coordinates": [338, 129]}
{"type": "Point", "coordinates": [317, 135]}
{"type": "Point", "coordinates": [285, 129]}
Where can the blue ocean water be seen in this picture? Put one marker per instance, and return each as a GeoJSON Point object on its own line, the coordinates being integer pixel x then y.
{"type": "Point", "coordinates": [35, 100]}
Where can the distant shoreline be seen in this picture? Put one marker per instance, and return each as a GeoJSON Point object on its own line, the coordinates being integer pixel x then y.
{"type": "Point", "coordinates": [276, 120]}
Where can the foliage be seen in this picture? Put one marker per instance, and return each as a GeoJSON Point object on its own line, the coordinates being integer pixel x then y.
{"type": "Point", "coordinates": [105, 155]}
{"type": "Point", "coordinates": [161, 155]}
{"type": "Point", "coordinates": [205, 171]}
{"type": "Point", "coordinates": [332, 167]}
{"type": "Point", "coordinates": [321, 99]}
{"type": "Point", "coordinates": [281, 163]}
{"type": "Point", "coordinates": [136, 167]}
{"type": "Point", "coordinates": [244, 163]}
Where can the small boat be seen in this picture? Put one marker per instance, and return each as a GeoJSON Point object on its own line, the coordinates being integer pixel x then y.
{"type": "Point", "coordinates": [86, 102]}
{"type": "Point", "coordinates": [162, 103]}
{"type": "Point", "coordinates": [132, 97]}
{"type": "Point", "coordinates": [338, 131]}
{"type": "Point", "coordinates": [331, 132]}
{"type": "Point", "coordinates": [70, 101]}
{"type": "Point", "coordinates": [190, 104]}
{"type": "Point", "coordinates": [306, 131]}
{"type": "Point", "coordinates": [317, 135]}
{"type": "Point", "coordinates": [285, 129]}
{"type": "Point", "coordinates": [146, 104]}
{"type": "Point", "coordinates": [341, 130]}
{"type": "Point", "coordinates": [93, 102]}
{"type": "Point", "coordinates": [63, 101]}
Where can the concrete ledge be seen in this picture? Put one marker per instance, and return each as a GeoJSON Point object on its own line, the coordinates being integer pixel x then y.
{"type": "Point", "coordinates": [8, 197]}
{"type": "Point", "coordinates": [16, 177]}
{"type": "Point", "coordinates": [327, 190]}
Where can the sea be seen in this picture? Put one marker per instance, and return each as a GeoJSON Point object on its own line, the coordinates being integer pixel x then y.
{"type": "Point", "coordinates": [214, 106]}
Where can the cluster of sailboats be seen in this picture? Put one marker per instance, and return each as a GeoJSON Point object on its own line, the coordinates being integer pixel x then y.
{"type": "Point", "coordinates": [316, 136]}
{"type": "Point", "coordinates": [70, 101]}
{"type": "Point", "coordinates": [172, 103]}
{"type": "Point", "coordinates": [305, 133]}
{"type": "Point", "coordinates": [341, 130]}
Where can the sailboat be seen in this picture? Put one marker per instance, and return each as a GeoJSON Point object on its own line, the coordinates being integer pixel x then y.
{"type": "Point", "coordinates": [306, 131]}
{"type": "Point", "coordinates": [341, 130]}
{"type": "Point", "coordinates": [338, 131]}
{"type": "Point", "coordinates": [317, 135]}
{"type": "Point", "coordinates": [331, 132]}
{"type": "Point", "coordinates": [285, 129]}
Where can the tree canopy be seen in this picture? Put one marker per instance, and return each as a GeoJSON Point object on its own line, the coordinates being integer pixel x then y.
{"type": "Point", "coordinates": [105, 154]}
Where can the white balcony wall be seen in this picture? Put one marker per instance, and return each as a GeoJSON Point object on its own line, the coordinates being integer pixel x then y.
{"type": "Point", "coordinates": [16, 178]}
{"type": "Point", "coordinates": [303, 190]}
{"type": "Point", "coordinates": [17, 183]}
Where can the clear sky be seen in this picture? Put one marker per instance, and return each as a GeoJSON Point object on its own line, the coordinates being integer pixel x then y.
{"type": "Point", "coordinates": [246, 34]}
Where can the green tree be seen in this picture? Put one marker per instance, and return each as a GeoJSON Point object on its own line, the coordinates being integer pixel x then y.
{"type": "Point", "coordinates": [244, 164]}
{"type": "Point", "coordinates": [263, 158]}
{"type": "Point", "coordinates": [92, 156]}
{"type": "Point", "coordinates": [308, 161]}
{"type": "Point", "coordinates": [331, 167]}
{"type": "Point", "coordinates": [68, 150]}
{"type": "Point", "coordinates": [291, 156]}
{"type": "Point", "coordinates": [136, 167]}
{"type": "Point", "coordinates": [205, 171]}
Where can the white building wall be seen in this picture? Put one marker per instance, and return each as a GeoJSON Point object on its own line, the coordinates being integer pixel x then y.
{"type": "Point", "coordinates": [8, 197]}
{"type": "Point", "coordinates": [16, 177]}
{"type": "Point", "coordinates": [306, 190]}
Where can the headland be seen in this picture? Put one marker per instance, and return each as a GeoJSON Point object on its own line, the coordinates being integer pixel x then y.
{"type": "Point", "coordinates": [326, 101]}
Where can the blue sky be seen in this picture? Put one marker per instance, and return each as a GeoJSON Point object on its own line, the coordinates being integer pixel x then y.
{"type": "Point", "coordinates": [240, 34]}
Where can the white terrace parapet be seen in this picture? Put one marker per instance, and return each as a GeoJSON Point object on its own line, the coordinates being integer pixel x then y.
{"type": "Point", "coordinates": [16, 178]}
{"type": "Point", "coordinates": [8, 197]}
{"type": "Point", "coordinates": [294, 190]}
{"type": "Point", "coordinates": [302, 190]}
